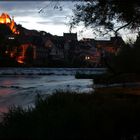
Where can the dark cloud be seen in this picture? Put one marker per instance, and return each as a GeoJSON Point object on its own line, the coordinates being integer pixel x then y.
{"type": "Point", "coordinates": [32, 8]}
{"type": "Point", "coordinates": [42, 11]}
{"type": "Point", "coordinates": [40, 15]}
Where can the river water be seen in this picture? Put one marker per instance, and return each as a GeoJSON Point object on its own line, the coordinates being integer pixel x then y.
{"type": "Point", "coordinates": [19, 86]}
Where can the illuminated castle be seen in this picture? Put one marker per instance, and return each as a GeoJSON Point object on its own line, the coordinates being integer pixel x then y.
{"type": "Point", "coordinates": [5, 19]}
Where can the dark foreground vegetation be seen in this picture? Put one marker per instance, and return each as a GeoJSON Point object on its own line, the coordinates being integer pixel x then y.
{"type": "Point", "coordinates": [109, 78]}
{"type": "Point", "coordinates": [71, 116]}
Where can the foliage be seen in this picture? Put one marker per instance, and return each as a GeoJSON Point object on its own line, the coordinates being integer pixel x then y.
{"type": "Point", "coordinates": [108, 15]}
{"type": "Point", "coordinates": [127, 60]}
{"type": "Point", "coordinates": [75, 116]}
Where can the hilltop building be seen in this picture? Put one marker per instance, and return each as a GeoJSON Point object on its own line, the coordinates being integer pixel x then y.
{"type": "Point", "coordinates": [5, 19]}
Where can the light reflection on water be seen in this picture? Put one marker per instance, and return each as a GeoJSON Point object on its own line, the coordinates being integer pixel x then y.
{"type": "Point", "coordinates": [19, 86]}
{"type": "Point", "coordinates": [5, 91]}
{"type": "Point", "coordinates": [22, 89]}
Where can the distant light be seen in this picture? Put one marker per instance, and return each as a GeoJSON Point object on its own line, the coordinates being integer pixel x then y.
{"type": "Point", "coordinates": [11, 38]}
{"type": "Point", "coordinates": [20, 61]}
{"type": "Point", "coordinates": [6, 52]}
{"type": "Point", "coordinates": [87, 58]}
{"type": "Point", "coordinates": [11, 54]}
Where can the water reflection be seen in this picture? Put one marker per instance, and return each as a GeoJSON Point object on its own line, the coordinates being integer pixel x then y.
{"type": "Point", "coordinates": [6, 82]}
{"type": "Point", "coordinates": [6, 91]}
{"type": "Point", "coordinates": [21, 90]}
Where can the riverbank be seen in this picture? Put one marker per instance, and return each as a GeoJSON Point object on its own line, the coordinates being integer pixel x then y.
{"type": "Point", "coordinates": [49, 71]}
{"type": "Point", "coordinates": [72, 116]}
{"type": "Point", "coordinates": [119, 90]}
{"type": "Point", "coordinates": [110, 78]}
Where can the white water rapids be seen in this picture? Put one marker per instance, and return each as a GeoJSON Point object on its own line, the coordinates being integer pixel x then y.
{"type": "Point", "coordinates": [19, 86]}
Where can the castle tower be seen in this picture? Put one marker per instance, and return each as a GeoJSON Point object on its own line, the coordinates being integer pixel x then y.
{"type": "Point", "coordinates": [5, 19]}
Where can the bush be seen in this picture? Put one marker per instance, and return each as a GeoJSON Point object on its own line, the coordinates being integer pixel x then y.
{"type": "Point", "coordinates": [127, 60]}
{"type": "Point", "coordinates": [72, 116]}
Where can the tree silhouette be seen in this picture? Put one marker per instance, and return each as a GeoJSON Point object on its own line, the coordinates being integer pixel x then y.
{"type": "Point", "coordinates": [108, 15]}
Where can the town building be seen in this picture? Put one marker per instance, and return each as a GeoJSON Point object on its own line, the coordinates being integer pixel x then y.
{"type": "Point", "coordinates": [111, 46]}
{"type": "Point", "coordinates": [39, 48]}
{"type": "Point", "coordinates": [89, 52]}
{"type": "Point", "coordinates": [70, 36]}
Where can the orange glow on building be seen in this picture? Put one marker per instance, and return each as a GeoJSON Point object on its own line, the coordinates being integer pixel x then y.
{"type": "Point", "coordinates": [11, 54]}
{"type": "Point", "coordinates": [5, 19]}
{"type": "Point", "coordinates": [22, 54]}
{"type": "Point", "coordinates": [20, 59]}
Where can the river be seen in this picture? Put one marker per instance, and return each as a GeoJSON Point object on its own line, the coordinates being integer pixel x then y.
{"type": "Point", "coordinates": [19, 86]}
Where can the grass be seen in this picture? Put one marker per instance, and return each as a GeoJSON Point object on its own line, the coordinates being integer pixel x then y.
{"type": "Point", "coordinates": [72, 116]}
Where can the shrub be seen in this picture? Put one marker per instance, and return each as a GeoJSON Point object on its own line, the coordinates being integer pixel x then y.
{"type": "Point", "coordinates": [74, 116]}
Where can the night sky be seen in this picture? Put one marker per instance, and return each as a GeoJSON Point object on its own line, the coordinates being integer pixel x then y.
{"type": "Point", "coordinates": [54, 21]}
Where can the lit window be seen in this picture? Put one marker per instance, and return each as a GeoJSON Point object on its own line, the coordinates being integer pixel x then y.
{"type": "Point", "coordinates": [11, 38]}
{"type": "Point", "coordinates": [6, 52]}
{"type": "Point", "coordinates": [87, 58]}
